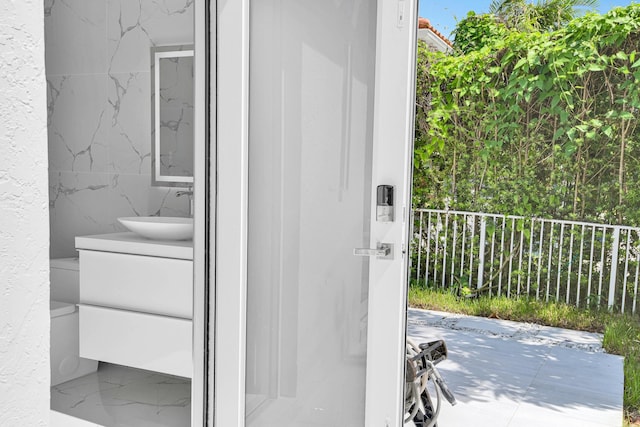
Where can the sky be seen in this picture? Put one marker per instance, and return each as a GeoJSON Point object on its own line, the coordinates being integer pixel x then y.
{"type": "Point", "coordinates": [444, 14]}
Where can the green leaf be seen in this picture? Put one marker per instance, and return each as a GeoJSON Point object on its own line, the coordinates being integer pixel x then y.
{"type": "Point", "coordinates": [559, 133]}
{"type": "Point", "coordinates": [570, 148]}
{"type": "Point", "coordinates": [520, 63]}
{"type": "Point", "coordinates": [596, 123]}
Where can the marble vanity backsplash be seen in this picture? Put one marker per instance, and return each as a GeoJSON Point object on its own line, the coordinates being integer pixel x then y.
{"type": "Point", "coordinates": [90, 203]}
{"type": "Point", "coordinates": [99, 112]}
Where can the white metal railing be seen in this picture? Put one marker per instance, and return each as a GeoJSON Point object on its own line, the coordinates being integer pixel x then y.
{"type": "Point", "coordinates": [580, 263]}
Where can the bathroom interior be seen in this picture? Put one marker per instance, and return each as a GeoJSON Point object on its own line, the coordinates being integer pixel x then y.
{"type": "Point", "coordinates": [312, 88]}
{"type": "Point", "coordinates": [120, 134]}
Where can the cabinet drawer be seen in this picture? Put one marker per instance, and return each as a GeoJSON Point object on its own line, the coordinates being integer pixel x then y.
{"type": "Point", "coordinates": [144, 341]}
{"type": "Point", "coordinates": [136, 282]}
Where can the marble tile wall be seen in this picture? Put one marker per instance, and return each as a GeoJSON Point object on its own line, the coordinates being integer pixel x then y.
{"type": "Point", "coordinates": [99, 114]}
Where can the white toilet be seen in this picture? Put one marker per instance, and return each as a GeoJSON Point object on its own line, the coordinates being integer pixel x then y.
{"type": "Point", "coordinates": [65, 290]}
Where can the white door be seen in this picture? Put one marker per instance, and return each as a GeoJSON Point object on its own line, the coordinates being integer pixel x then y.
{"type": "Point", "coordinates": [315, 106]}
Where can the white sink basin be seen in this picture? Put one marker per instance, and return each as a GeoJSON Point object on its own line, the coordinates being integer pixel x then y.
{"type": "Point", "coordinates": [160, 227]}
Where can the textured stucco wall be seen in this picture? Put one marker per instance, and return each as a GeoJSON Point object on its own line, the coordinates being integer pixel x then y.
{"type": "Point", "coordinates": [24, 231]}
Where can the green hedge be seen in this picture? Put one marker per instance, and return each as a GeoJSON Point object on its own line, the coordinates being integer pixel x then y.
{"type": "Point", "coordinates": [533, 123]}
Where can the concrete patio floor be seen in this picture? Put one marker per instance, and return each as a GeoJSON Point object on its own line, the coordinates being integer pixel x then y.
{"type": "Point", "coordinates": [516, 374]}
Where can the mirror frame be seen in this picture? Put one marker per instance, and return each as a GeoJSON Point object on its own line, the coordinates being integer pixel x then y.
{"type": "Point", "coordinates": [157, 53]}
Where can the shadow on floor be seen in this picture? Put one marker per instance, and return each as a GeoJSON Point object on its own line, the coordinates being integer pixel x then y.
{"type": "Point", "coordinates": [505, 374]}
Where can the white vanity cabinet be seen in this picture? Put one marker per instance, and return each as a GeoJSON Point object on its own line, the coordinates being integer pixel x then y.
{"type": "Point", "coordinates": [136, 298]}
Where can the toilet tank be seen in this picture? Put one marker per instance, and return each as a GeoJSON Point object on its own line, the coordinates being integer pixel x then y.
{"type": "Point", "coordinates": [65, 280]}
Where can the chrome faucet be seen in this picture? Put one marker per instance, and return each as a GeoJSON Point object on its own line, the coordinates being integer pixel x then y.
{"type": "Point", "coordinates": [188, 193]}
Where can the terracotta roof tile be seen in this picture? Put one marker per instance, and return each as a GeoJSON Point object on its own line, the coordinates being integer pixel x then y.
{"type": "Point", "coordinates": [424, 23]}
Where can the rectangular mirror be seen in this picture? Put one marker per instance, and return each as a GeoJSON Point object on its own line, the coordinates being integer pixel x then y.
{"type": "Point", "coordinates": [172, 115]}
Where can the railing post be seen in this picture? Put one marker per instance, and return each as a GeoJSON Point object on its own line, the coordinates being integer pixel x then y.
{"type": "Point", "coordinates": [626, 271]}
{"type": "Point", "coordinates": [483, 232]}
{"type": "Point", "coordinates": [635, 286]}
{"type": "Point", "coordinates": [614, 266]}
{"type": "Point", "coordinates": [473, 234]}
{"type": "Point", "coordinates": [444, 252]}
{"type": "Point", "coordinates": [419, 248]}
{"type": "Point", "coordinates": [602, 262]}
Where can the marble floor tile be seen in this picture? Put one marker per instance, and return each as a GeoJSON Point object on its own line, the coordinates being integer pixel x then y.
{"type": "Point", "coordinates": [58, 419]}
{"type": "Point", "coordinates": [118, 396]}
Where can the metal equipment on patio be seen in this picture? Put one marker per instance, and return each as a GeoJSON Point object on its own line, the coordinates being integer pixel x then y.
{"type": "Point", "coordinates": [421, 360]}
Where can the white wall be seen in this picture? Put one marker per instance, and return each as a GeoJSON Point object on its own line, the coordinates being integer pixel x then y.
{"type": "Point", "coordinates": [24, 231]}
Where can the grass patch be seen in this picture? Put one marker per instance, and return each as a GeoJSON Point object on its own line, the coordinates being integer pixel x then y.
{"type": "Point", "coordinates": [622, 336]}
{"type": "Point", "coordinates": [621, 332]}
{"type": "Point", "coordinates": [520, 309]}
